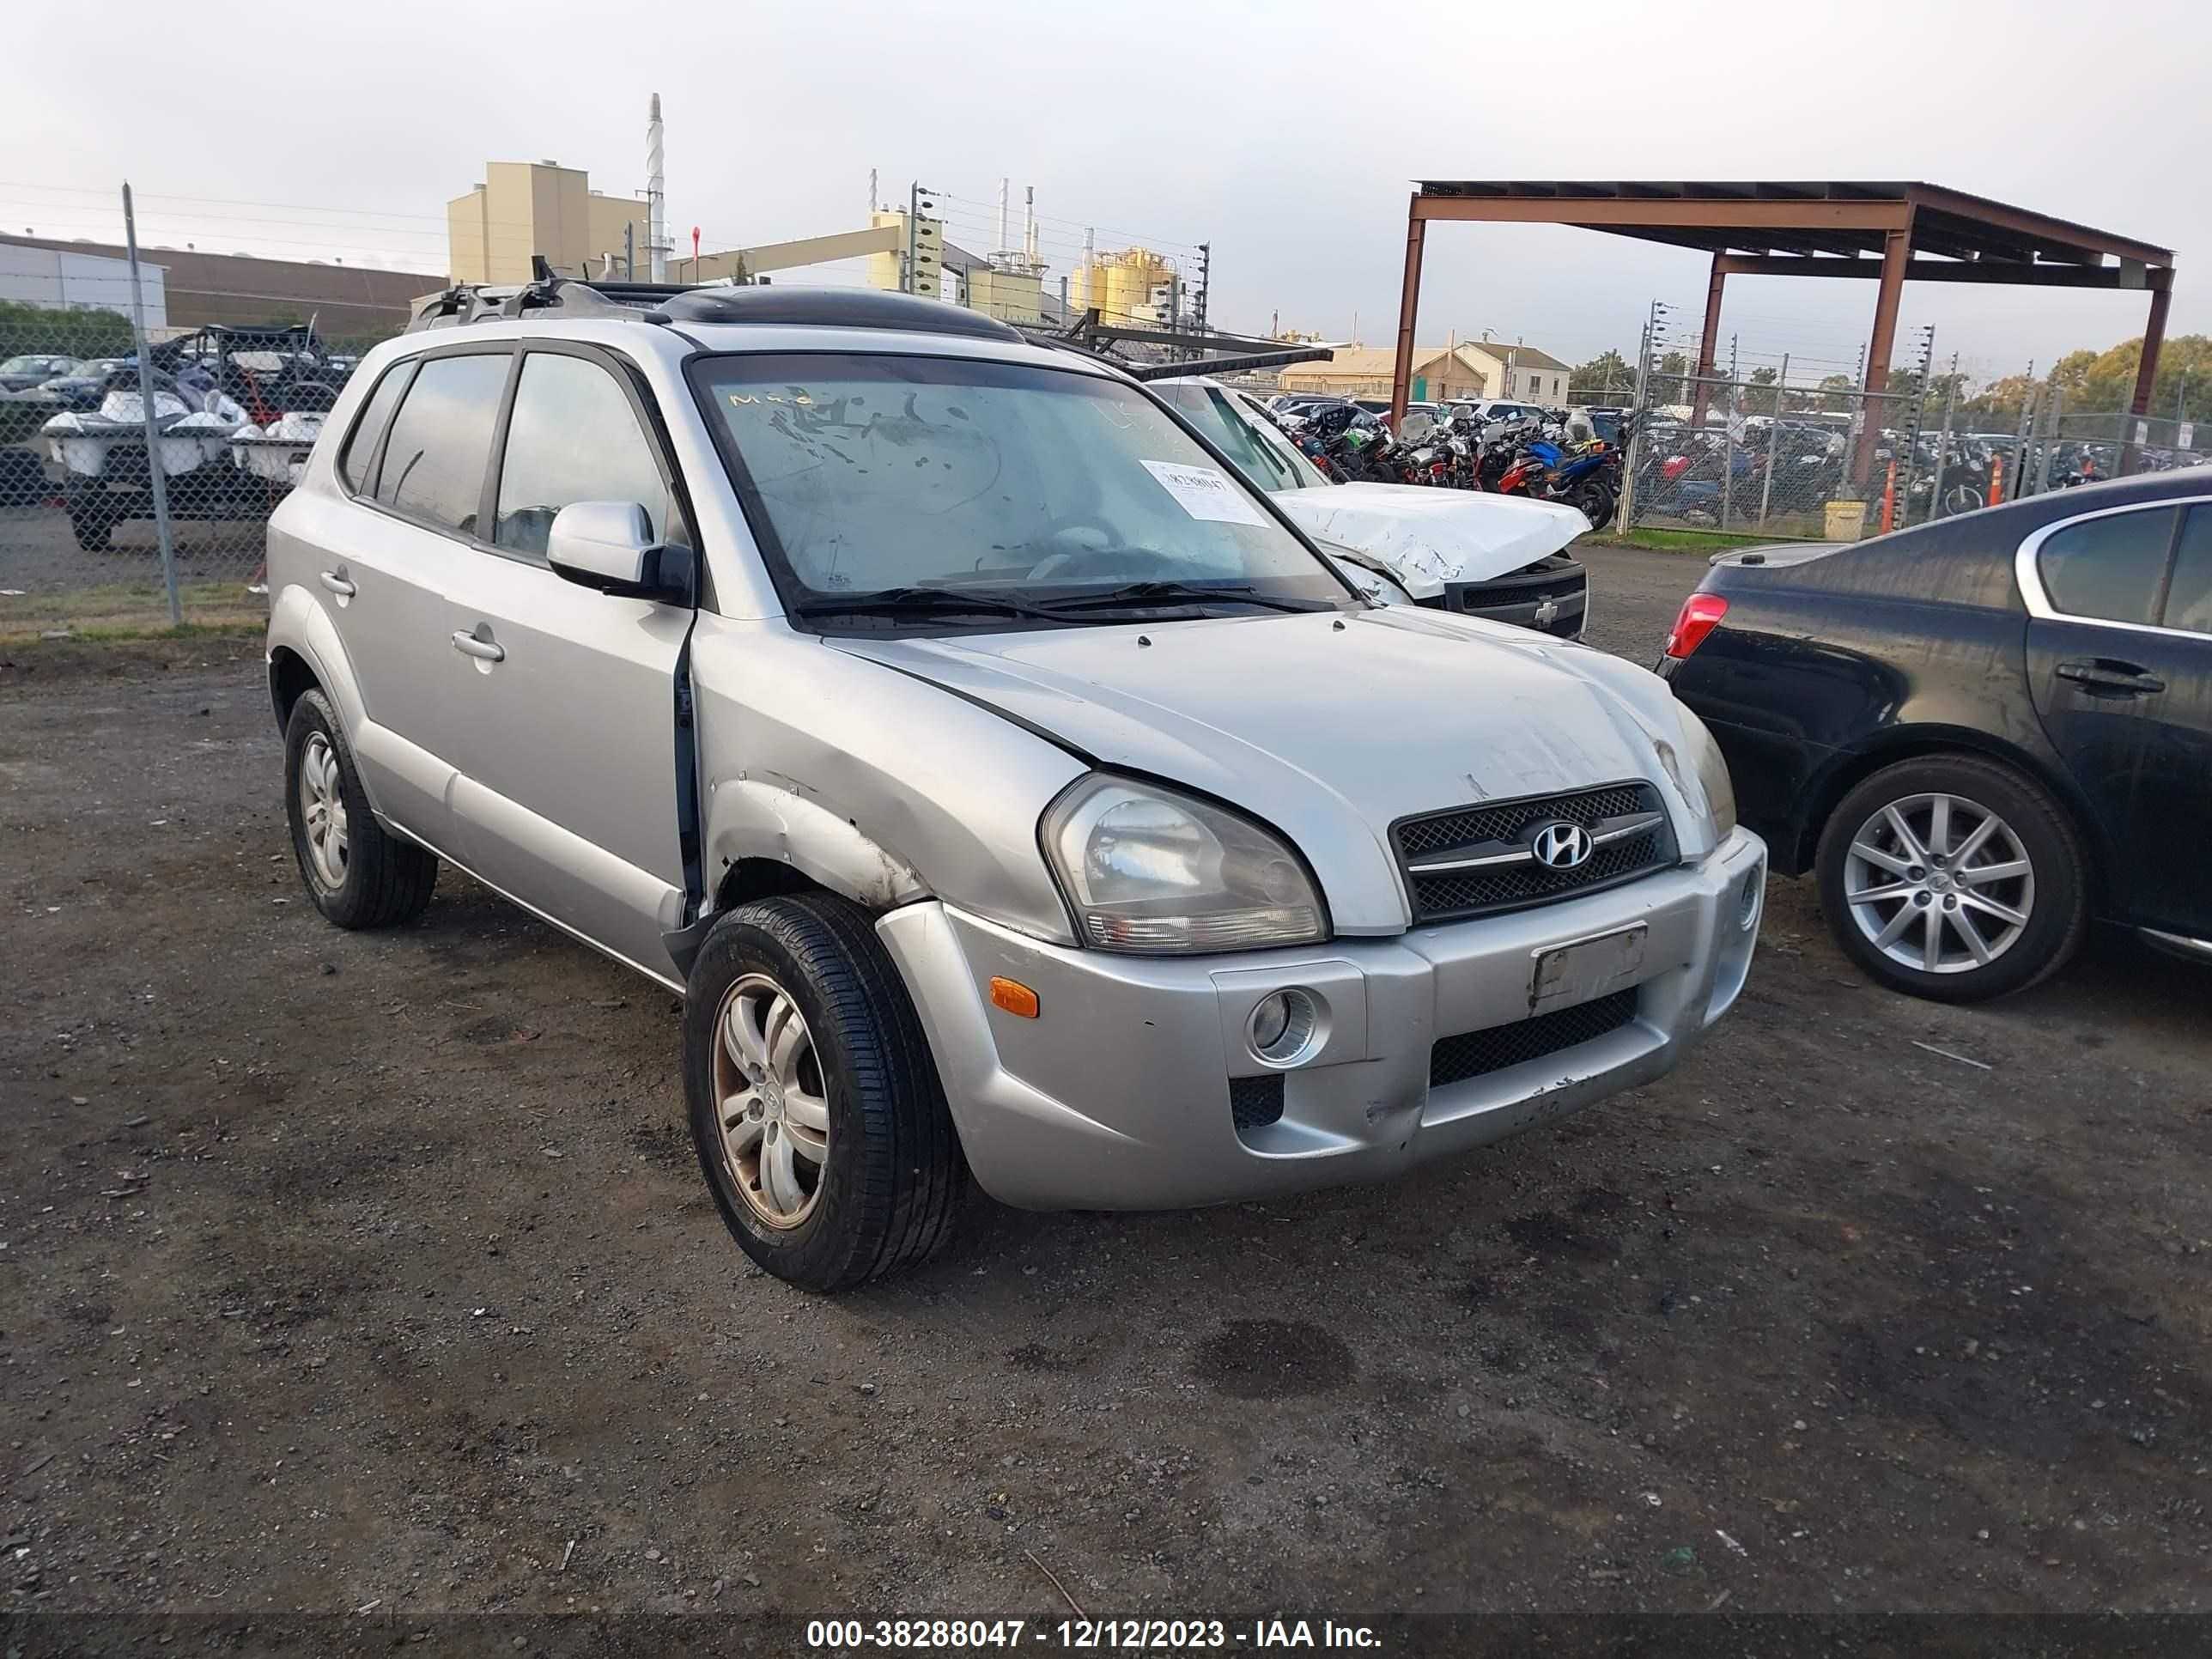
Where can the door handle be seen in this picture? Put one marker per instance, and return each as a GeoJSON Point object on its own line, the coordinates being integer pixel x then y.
{"type": "Point", "coordinates": [338, 584]}
{"type": "Point", "coordinates": [485, 650]}
{"type": "Point", "coordinates": [2100, 674]}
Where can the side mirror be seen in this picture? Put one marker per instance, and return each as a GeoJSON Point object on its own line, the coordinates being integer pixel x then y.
{"type": "Point", "coordinates": [609, 545]}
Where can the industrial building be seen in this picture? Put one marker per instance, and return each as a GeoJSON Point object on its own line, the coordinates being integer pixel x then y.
{"type": "Point", "coordinates": [343, 301]}
{"type": "Point", "coordinates": [71, 279]}
{"type": "Point", "coordinates": [524, 209]}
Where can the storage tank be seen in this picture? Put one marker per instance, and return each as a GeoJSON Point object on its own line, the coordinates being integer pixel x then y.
{"type": "Point", "coordinates": [1121, 284]}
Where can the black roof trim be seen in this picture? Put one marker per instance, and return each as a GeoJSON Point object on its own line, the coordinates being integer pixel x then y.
{"type": "Point", "coordinates": [833, 307]}
{"type": "Point", "coordinates": [714, 302]}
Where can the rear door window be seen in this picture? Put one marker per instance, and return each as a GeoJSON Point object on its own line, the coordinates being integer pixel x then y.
{"type": "Point", "coordinates": [434, 462]}
{"type": "Point", "coordinates": [2189, 593]}
{"type": "Point", "coordinates": [2110, 568]}
{"type": "Point", "coordinates": [573, 436]}
{"type": "Point", "coordinates": [375, 414]}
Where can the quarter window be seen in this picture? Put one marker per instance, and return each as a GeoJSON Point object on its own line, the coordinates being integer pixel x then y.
{"type": "Point", "coordinates": [2188, 594]}
{"type": "Point", "coordinates": [2110, 568]}
{"type": "Point", "coordinates": [361, 446]}
{"type": "Point", "coordinates": [434, 462]}
{"type": "Point", "coordinates": [574, 437]}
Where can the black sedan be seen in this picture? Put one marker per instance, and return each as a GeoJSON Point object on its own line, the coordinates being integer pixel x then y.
{"type": "Point", "coordinates": [1979, 734]}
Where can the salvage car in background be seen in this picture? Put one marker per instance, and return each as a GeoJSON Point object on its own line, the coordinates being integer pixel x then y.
{"type": "Point", "coordinates": [20, 373]}
{"type": "Point", "coordinates": [1500, 558]}
{"type": "Point", "coordinates": [1978, 734]}
{"type": "Point", "coordinates": [1005, 787]}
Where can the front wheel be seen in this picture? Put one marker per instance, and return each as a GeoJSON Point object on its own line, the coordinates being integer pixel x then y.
{"type": "Point", "coordinates": [1953, 877]}
{"type": "Point", "coordinates": [815, 1106]}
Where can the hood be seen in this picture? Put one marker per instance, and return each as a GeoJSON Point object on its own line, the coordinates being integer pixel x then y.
{"type": "Point", "coordinates": [1329, 733]}
{"type": "Point", "coordinates": [1428, 537]}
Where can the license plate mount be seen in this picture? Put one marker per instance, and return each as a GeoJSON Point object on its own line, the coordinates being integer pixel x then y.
{"type": "Point", "coordinates": [1583, 970]}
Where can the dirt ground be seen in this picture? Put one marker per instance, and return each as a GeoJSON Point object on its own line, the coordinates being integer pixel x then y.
{"type": "Point", "coordinates": [374, 1273]}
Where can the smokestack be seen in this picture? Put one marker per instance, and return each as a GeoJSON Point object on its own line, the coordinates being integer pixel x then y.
{"type": "Point", "coordinates": [656, 187]}
{"type": "Point", "coordinates": [1029, 226]}
{"type": "Point", "coordinates": [872, 195]}
{"type": "Point", "coordinates": [1006, 245]}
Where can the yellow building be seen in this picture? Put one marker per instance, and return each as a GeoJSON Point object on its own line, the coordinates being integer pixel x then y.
{"type": "Point", "coordinates": [883, 269]}
{"type": "Point", "coordinates": [1012, 296]}
{"type": "Point", "coordinates": [526, 208]}
{"type": "Point", "coordinates": [1482, 368]}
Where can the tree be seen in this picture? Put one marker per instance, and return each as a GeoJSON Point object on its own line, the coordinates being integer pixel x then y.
{"type": "Point", "coordinates": [1607, 377]}
{"type": "Point", "coordinates": [1836, 393]}
{"type": "Point", "coordinates": [71, 332]}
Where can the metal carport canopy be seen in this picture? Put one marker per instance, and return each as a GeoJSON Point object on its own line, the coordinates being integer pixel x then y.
{"type": "Point", "coordinates": [1889, 232]}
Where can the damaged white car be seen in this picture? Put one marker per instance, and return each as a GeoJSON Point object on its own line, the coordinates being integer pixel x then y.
{"type": "Point", "coordinates": [1504, 558]}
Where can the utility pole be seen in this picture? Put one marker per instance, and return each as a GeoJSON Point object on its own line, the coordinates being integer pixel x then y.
{"type": "Point", "coordinates": [153, 473]}
{"type": "Point", "coordinates": [1943, 440]}
{"type": "Point", "coordinates": [630, 250]}
{"type": "Point", "coordinates": [1205, 281]}
{"type": "Point", "coordinates": [1627, 515]}
{"type": "Point", "coordinates": [912, 209]}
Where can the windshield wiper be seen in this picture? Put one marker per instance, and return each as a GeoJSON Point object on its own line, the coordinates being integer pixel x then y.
{"type": "Point", "coordinates": [920, 602]}
{"type": "Point", "coordinates": [1178, 593]}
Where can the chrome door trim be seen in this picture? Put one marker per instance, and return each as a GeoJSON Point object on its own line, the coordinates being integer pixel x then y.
{"type": "Point", "coordinates": [2029, 579]}
{"type": "Point", "coordinates": [2199, 949]}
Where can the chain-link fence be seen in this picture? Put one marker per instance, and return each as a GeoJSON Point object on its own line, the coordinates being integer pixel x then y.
{"type": "Point", "coordinates": [1755, 457]}
{"type": "Point", "coordinates": [142, 454]}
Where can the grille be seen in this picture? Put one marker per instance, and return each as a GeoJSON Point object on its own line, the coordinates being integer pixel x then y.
{"type": "Point", "coordinates": [1477, 1053]}
{"type": "Point", "coordinates": [1256, 1102]}
{"type": "Point", "coordinates": [1446, 895]}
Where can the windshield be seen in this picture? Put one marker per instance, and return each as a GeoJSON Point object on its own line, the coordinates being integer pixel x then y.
{"type": "Point", "coordinates": [1260, 452]}
{"type": "Point", "coordinates": [882, 475]}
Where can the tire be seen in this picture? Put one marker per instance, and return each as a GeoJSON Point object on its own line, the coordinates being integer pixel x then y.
{"type": "Point", "coordinates": [91, 527]}
{"type": "Point", "coordinates": [370, 878]}
{"type": "Point", "coordinates": [2049, 900]}
{"type": "Point", "coordinates": [886, 1187]}
{"type": "Point", "coordinates": [1595, 502]}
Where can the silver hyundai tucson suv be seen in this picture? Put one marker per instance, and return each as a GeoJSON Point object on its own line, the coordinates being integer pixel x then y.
{"type": "Point", "coordinates": [1009, 789]}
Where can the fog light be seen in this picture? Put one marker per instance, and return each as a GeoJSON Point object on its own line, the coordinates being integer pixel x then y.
{"type": "Point", "coordinates": [1747, 901]}
{"type": "Point", "coordinates": [1282, 1026]}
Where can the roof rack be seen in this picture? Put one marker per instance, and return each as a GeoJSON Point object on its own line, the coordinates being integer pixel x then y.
{"type": "Point", "coordinates": [704, 302]}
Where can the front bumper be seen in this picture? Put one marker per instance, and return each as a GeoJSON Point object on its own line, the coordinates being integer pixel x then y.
{"type": "Point", "coordinates": [1117, 1095]}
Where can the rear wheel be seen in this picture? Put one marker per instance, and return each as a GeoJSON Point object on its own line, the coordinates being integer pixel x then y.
{"type": "Point", "coordinates": [1953, 877]}
{"type": "Point", "coordinates": [1595, 502]}
{"type": "Point", "coordinates": [358, 873]}
{"type": "Point", "coordinates": [91, 520]}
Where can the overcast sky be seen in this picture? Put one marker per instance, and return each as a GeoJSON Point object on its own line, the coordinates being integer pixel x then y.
{"type": "Point", "coordinates": [1285, 134]}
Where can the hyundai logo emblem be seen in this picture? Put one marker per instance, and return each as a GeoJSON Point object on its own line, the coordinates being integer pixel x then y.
{"type": "Point", "coordinates": [1559, 845]}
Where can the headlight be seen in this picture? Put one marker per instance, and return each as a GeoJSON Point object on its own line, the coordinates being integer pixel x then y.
{"type": "Point", "coordinates": [1157, 872]}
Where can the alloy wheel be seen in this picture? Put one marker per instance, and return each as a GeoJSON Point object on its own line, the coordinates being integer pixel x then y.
{"type": "Point", "coordinates": [323, 812]}
{"type": "Point", "coordinates": [770, 1102]}
{"type": "Point", "coordinates": [1939, 882]}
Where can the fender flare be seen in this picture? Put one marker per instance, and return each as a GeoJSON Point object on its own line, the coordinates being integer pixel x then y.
{"type": "Point", "coordinates": [775, 818]}
{"type": "Point", "coordinates": [298, 623]}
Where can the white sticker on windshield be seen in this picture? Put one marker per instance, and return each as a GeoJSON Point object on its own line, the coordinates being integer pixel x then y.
{"type": "Point", "coordinates": [1204, 493]}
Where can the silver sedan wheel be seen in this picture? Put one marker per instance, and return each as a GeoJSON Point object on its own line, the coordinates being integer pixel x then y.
{"type": "Point", "coordinates": [770, 1101]}
{"type": "Point", "coordinates": [1939, 882]}
{"type": "Point", "coordinates": [322, 811]}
